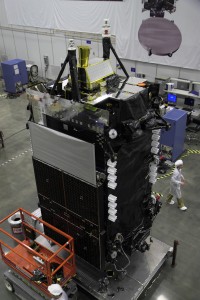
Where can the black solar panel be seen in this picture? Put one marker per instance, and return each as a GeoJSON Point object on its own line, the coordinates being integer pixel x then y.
{"type": "Point", "coordinates": [49, 182]}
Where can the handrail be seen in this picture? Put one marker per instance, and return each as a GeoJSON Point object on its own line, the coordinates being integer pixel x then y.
{"type": "Point", "coordinates": [15, 259]}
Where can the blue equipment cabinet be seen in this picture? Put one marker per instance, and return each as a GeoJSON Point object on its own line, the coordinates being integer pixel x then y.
{"type": "Point", "coordinates": [14, 74]}
{"type": "Point", "coordinates": [175, 136]}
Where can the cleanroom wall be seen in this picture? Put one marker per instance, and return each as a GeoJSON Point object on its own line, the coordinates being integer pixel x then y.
{"type": "Point", "coordinates": [44, 28]}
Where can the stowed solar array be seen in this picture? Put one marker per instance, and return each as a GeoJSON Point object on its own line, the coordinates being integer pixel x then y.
{"type": "Point", "coordinates": [74, 207]}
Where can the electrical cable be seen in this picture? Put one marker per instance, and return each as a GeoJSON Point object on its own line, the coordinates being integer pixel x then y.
{"type": "Point", "coordinates": [14, 134]}
{"type": "Point", "coordinates": [126, 258]}
{"type": "Point", "coordinates": [124, 268]}
{"type": "Point", "coordinates": [132, 232]}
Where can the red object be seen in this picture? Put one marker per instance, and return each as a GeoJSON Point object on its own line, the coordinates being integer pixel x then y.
{"type": "Point", "coordinates": [157, 197]}
{"type": "Point", "coordinates": [162, 157]}
{"type": "Point", "coordinates": [21, 257]}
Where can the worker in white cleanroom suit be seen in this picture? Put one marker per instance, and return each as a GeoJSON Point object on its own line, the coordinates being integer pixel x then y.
{"type": "Point", "coordinates": [57, 292]}
{"type": "Point", "coordinates": [177, 180]}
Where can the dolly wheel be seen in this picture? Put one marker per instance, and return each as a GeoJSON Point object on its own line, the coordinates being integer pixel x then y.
{"type": "Point", "coordinates": [9, 286]}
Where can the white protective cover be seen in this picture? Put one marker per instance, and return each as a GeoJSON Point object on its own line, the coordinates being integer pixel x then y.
{"type": "Point", "coordinates": [74, 156]}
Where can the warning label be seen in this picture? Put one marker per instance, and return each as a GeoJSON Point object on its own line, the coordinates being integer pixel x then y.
{"type": "Point", "coordinates": [17, 230]}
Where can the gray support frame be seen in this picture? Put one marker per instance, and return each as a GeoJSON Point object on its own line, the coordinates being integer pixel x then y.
{"type": "Point", "coordinates": [140, 273]}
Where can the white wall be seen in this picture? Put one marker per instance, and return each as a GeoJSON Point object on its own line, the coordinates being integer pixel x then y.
{"type": "Point", "coordinates": [31, 44]}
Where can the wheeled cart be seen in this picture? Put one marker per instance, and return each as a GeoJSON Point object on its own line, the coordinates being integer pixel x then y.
{"type": "Point", "coordinates": [25, 291]}
{"type": "Point", "coordinates": [35, 260]}
{"type": "Point", "coordinates": [143, 268]}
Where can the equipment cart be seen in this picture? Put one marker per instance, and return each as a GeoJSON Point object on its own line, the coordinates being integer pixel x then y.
{"type": "Point", "coordinates": [36, 260]}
